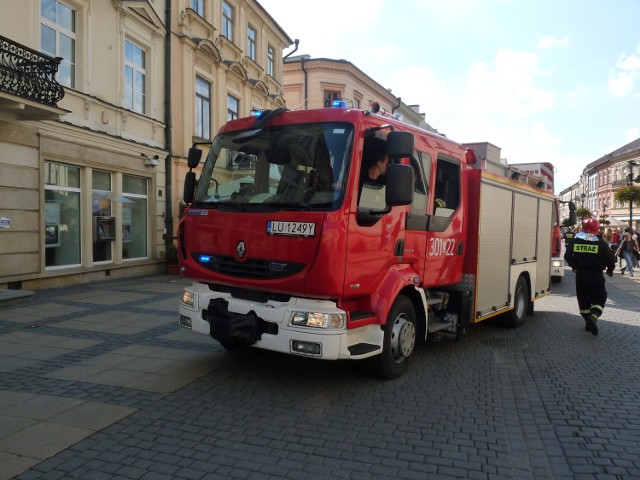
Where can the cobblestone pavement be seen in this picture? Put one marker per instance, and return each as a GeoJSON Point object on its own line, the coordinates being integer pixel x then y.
{"type": "Point", "coordinates": [99, 382]}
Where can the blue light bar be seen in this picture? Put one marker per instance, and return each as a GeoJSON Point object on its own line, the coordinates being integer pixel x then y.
{"type": "Point", "coordinates": [204, 258]}
{"type": "Point", "coordinates": [339, 104]}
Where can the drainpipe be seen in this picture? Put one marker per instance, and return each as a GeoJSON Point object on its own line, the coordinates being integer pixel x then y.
{"type": "Point", "coordinates": [396, 106]}
{"type": "Point", "coordinates": [168, 215]}
{"type": "Point", "coordinates": [297, 42]}
{"type": "Point", "coordinates": [305, 82]}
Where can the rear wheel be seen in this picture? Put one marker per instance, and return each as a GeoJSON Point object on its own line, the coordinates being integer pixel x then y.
{"type": "Point", "coordinates": [521, 306]}
{"type": "Point", "coordinates": [399, 340]}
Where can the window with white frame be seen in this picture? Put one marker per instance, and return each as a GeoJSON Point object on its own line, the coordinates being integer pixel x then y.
{"type": "Point", "coordinates": [135, 75]}
{"type": "Point", "coordinates": [227, 21]}
{"type": "Point", "coordinates": [251, 43]}
{"type": "Point", "coordinates": [232, 107]}
{"type": "Point", "coordinates": [58, 37]}
{"type": "Point", "coordinates": [203, 108]}
{"type": "Point", "coordinates": [270, 58]}
{"type": "Point", "coordinates": [198, 7]}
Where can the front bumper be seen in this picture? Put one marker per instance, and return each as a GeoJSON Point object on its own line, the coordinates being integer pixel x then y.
{"type": "Point", "coordinates": [274, 332]}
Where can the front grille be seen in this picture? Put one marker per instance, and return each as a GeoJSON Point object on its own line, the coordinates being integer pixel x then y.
{"type": "Point", "coordinates": [255, 269]}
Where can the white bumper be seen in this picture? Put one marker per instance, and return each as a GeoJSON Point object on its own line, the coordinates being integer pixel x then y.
{"type": "Point", "coordinates": [334, 343]}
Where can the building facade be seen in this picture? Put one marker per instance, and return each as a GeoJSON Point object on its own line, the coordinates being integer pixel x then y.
{"type": "Point", "coordinates": [81, 186]}
{"type": "Point", "coordinates": [606, 176]}
{"type": "Point", "coordinates": [319, 82]}
{"type": "Point", "coordinates": [226, 60]}
{"type": "Point", "coordinates": [99, 103]}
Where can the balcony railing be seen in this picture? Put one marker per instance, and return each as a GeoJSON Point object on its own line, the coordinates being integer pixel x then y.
{"type": "Point", "coordinates": [29, 74]}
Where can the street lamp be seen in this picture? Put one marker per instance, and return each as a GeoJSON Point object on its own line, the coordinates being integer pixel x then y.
{"type": "Point", "coordinates": [630, 181]}
{"type": "Point", "coordinates": [583, 196]}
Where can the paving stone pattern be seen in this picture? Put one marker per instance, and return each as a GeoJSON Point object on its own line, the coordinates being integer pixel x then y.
{"type": "Point", "coordinates": [105, 369]}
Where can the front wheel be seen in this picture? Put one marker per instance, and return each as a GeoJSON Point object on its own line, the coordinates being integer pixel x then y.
{"type": "Point", "coordinates": [400, 335]}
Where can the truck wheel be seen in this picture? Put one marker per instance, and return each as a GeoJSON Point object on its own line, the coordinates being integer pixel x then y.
{"type": "Point", "coordinates": [399, 341]}
{"type": "Point", "coordinates": [515, 317]}
{"type": "Point", "coordinates": [556, 279]}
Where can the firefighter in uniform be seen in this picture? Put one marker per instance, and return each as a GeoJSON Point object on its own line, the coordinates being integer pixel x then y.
{"type": "Point", "coordinates": [588, 255]}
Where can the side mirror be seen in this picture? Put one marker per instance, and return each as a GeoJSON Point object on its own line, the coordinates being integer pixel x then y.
{"type": "Point", "coordinates": [400, 145]}
{"type": "Point", "coordinates": [189, 187]}
{"type": "Point", "coordinates": [399, 179]}
{"type": "Point", "coordinates": [193, 160]}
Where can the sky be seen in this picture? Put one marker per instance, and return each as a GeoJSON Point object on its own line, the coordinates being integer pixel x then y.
{"type": "Point", "coordinates": [545, 80]}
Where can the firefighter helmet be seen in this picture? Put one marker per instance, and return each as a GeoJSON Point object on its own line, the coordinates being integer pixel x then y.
{"type": "Point", "coordinates": [591, 226]}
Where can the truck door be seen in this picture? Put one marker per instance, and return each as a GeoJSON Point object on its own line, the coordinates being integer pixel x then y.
{"type": "Point", "coordinates": [417, 215]}
{"type": "Point", "coordinates": [445, 231]}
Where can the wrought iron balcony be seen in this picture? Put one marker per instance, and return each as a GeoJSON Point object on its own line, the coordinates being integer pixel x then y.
{"type": "Point", "coordinates": [26, 74]}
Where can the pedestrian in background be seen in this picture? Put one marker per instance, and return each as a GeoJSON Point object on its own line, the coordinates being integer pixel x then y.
{"type": "Point", "coordinates": [626, 250]}
{"type": "Point", "coordinates": [588, 255]}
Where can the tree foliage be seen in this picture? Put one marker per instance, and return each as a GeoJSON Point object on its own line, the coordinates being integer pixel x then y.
{"type": "Point", "coordinates": [583, 212]}
{"type": "Point", "coordinates": [628, 193]}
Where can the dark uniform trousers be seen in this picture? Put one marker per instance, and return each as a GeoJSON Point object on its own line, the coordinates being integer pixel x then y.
{"type": "Point", "coordinates": [591, 292]}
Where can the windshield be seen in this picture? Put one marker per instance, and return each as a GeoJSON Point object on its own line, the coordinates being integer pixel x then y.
{"type": "Point", "coordinates": [291, 166]}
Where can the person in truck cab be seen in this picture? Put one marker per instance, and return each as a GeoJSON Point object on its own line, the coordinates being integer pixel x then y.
{"type": "Point", "coordinates": [588, 255]}
{"type": "Point", "coordinates": [376, 167]}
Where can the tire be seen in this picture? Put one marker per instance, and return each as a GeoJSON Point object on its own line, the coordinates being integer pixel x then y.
{"type": "Point", "coordinates": [515, 317]}
{"type": "Point", "coordinates": [556, 279]}
{"type": "Point", "coordinates": [400, 334]}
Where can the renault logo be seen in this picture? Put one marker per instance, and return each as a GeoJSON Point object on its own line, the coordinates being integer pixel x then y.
{"type": "Point", "coordinates": [241, 249]}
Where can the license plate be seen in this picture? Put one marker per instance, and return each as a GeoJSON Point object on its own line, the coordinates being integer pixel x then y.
{"type": "Point", "coordinates": [302, 229]}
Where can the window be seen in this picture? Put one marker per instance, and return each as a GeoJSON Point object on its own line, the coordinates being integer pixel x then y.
{"type": "Point", "coordinates": [421, 187]}
{"type": "Point", "coordinates": [447, 188]}
{"type": "Point", "coordinates": [251, 43]}
{"type": "Point", "coordinates": [101, 210]}
{"type": "Point", "coordinates": [330, 96]}
{"type": "Point", "coordinates": [134, 217]}
{"type": "Point", "coordinates": [270, 56]}
{"type": "Point", "coordinates": [198, 7]}
{"type": "Point", "coordinates": [203, 108]}
{"type": "Point", "coordinates": [232, 107]}
{"type": "Point", "coordinates": [227, 21]}
{"type": "Point", "coordinates": [58, 38]}
{"type": "Point", "coordinates": [134, 77]}
{"type": "Point", "coordinates": [61, 215]}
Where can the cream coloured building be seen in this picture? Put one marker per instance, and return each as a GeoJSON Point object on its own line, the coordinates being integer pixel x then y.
{"type": "Point", "coordinates": [226, 61]}
{"type": "Point", "coordinates": [318, 82]}
{"type": "Point", "coordinates": [91, 160]}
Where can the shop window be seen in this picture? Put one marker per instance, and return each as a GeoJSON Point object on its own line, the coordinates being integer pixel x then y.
{"type": "Point", "coordinates": [134, 217]}
{"type": "Point", "coordinates": [103, 227]}
{"type": "Point", "coordinates": [62, 215]}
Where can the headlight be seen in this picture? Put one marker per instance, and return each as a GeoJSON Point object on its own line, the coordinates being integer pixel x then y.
{"type": "Point", "coordinates": [187, 298]}
{"type": "Point", "coordinates": [317, 320]}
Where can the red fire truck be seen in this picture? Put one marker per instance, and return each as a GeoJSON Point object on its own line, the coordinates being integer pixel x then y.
{"type": "Point", "coordinates": [292, 247]}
